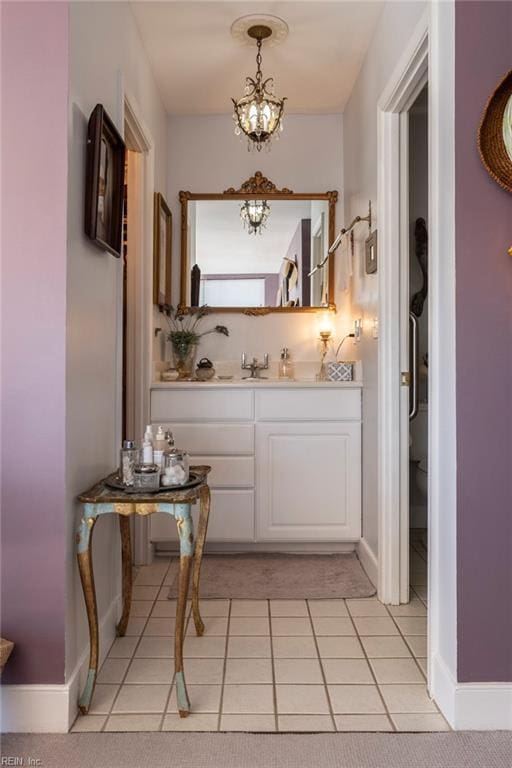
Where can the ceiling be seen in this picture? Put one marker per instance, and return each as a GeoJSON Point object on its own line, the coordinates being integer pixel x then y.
{"type": "Point", "coordinates": [198, 65]}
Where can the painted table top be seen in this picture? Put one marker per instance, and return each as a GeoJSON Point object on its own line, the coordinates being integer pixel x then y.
{"type": "Point", "coordinates": [101, 494]}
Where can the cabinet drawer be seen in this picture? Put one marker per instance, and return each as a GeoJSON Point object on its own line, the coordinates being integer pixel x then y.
{"type": "Point", "coordinates": [213, 439]}
{"type": "Point", "coordinates": [308, 405]}
{"type": "Point", "coordinates": [231, 519]}
{"type": "Point", "coordinates": [201, 404]}
{"type": "Point", "coordinates": [229, 471]}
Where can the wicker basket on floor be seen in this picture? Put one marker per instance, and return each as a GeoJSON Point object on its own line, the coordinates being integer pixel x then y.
{"type": "Point", "coordinates": [5, 651]}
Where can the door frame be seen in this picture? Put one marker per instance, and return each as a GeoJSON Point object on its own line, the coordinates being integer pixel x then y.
{"type": "Point", "coordinates": [409, 78]}
{"type": "Point", "coordinates": [432, 46]}
{"type": "Point", "coordinates": [140, 281]}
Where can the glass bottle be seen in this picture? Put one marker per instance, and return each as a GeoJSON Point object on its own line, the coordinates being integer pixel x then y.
{"type": "Point", "coordinates": [130, 456]}
{"type": "Point", "coordinates": [285, 365]}
{"type": "Point", "coordinates": [176, 468]}
{"type": "Point", "coordinates": [146, 477]}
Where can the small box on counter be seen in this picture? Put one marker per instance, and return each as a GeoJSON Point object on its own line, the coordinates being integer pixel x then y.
{"type": "Point", "coordinates": [343, 371]}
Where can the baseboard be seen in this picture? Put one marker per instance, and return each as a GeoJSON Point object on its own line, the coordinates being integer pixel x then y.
{"type": "Point", "coordinates": [53, 708]}
{"type": "Point", "coordinates": [471, 706]}
{"type": "Point", "coordinates": [368, 561]}
{"type": "Point", "coordinates": [168, 548]}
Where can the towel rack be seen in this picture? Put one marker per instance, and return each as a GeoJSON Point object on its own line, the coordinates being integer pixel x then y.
{"type": "Point", "coordinates": [342, 232]}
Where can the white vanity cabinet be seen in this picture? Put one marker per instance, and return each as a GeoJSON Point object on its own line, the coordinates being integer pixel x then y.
{"type": "Point", "coordinates": [308, 481]}
{"type": "Point", "coordinates": [285, 458]}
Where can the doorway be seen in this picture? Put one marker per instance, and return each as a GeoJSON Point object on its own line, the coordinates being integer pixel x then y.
{"type": "Point", "coordinates": [415, 580]}
{"type": "Point", "coordinates": [397, 390]}
{"type": "Point", "coordinates": [138, 319]}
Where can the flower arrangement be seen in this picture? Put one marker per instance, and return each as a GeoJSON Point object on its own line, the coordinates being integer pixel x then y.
{"type": "Point", "coordinates": [184, 334]}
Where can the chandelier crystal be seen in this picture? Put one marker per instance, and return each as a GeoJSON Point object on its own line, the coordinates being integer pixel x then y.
{"type": "Point", "coordinates": [254, 214]}
{"type": "Point", "coordinates": [259, 113]}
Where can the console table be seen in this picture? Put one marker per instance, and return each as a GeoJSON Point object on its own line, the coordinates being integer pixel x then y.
{"type": "Point", "coordinates": [101, 500]}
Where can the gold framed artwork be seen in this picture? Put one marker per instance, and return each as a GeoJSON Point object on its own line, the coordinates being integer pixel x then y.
{"type": "Point", "coordinates": [162, 253]}
{"type": "Point", "coordinates": [495, 134]}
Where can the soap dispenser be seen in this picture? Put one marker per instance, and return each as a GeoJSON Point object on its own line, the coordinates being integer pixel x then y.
{"type": "Point", "coordinates": [285, 365]}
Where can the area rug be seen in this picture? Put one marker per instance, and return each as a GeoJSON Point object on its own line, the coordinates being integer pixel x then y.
{"type": "Point", "coordinates": [280, 577]}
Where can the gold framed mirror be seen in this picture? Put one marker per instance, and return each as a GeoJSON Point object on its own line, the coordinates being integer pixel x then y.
{"type": "Point", "coordinates": [257, 249]}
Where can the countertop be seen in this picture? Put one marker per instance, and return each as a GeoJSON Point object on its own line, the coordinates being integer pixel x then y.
{"type": "Point", "coordinates": [258, 384]}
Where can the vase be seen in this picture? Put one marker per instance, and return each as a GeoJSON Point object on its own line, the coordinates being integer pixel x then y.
{"type": "Point", "coordinates": [184, 356]}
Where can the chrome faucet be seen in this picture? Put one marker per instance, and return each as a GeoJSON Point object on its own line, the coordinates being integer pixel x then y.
{"type": "Point", "coordinates": [254, 366]}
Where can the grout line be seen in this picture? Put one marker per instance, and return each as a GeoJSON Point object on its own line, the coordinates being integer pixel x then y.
{"type": "Point", "coordinates": [223, 683]}
{"type": "Point", "coordinates": [404, 638]}
{"type": "Point", "coordinates": [272, 662]}
{"type": "Point", "coordinates": [413, 589]}
{"type": "Point", "coordinates": [168, 698]}
{"type": "Point", "coordinates": [386, 710]}
{"type": "Point", "coordinates": [420, 550]}
{"type": "Point", "coordinates": [320, 661]}
{"type": "Point", "coordinates": [110, 712]}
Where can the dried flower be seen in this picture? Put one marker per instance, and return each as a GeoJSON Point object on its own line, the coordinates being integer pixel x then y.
{"type": "Point", "coordinates": [184, 326]}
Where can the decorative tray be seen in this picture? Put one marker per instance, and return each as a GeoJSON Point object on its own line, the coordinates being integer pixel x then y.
{"type": "Point", "coordinates": [115, 483]}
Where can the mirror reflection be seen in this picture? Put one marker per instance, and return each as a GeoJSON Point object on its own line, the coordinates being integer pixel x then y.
{"type": "Point", "coordinates": [257, 252]}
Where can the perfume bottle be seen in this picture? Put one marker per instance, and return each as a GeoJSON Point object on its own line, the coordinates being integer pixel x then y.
{"type": "Point", "coordinates": [285, 365]}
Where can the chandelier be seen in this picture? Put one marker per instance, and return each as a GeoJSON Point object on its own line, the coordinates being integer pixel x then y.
{"type": "Point", "coordinates": [259, 114]}
{"type": "Point", "coordinates": [254, 214]}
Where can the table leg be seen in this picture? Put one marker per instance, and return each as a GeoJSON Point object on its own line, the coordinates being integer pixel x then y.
{"type": "Point", "coordinates": [186, 534]}
{"type": "Point", "coordinates": [126, 550]}
{"type": "Point", "coordinates": [84, 555]}
{"type": "Point", "coordinates": [202, 528]}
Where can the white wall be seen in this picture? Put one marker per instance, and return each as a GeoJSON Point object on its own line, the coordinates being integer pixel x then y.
{"type": "Point", "coordinates": [105, 52]}
{"type": "Point", "coordinates": [394, 28]}
{"type": "Point", "coordinates": [206, 156]}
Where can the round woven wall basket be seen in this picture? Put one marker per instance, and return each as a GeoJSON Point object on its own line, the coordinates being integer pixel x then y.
{"type": "Point", "coordinates": [495, 134]}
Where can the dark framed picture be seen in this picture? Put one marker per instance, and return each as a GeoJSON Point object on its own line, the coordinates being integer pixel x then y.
{"type": "Point", "coordinates": [104, 180]}
{"type": "Point", "coordinates": [162, 253]}
{"type": "Point", "coordinates": [370, 247]}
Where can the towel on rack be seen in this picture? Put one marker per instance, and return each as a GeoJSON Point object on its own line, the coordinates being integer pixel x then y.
{"type": "Point", "coordinates": [344, 263]}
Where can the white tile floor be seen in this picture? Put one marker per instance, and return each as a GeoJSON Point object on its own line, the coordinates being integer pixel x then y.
{"type": "Point", "coordinates": [270, 665]}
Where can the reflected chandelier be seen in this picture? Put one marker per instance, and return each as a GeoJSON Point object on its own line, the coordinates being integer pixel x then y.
{"type": "Point", "coordinates": [254, 214]}
{"type": "Point", "coordinates": [259, 113]}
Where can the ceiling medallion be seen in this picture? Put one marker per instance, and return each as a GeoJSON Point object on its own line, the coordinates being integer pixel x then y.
{"type": "Point", "coordinates": [259, 113]}
{"type": "Point", "coordinates": [254, 214]}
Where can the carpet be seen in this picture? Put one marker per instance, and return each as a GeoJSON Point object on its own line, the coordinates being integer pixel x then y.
{"type": "Point", "coordinates": [280, 577]}
{"type": "Point", "coordinates": [245, 750]}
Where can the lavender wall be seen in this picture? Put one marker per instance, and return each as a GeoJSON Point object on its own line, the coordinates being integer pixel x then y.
{"type": "Point", "coordinates": [484, 358]}
{"type": "Point", "coordinates": [34, 67]}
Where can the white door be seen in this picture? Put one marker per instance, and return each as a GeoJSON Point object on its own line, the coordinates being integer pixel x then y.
{"type": "Point", "coordinates": [309, 481]}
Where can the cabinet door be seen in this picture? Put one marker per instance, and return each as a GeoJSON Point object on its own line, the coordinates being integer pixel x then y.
{"type": "Point", "coordinates": [308, 481]}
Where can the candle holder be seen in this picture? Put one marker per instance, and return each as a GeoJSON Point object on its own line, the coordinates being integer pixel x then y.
{"type": "Point", "coordinates": [325, 338]}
